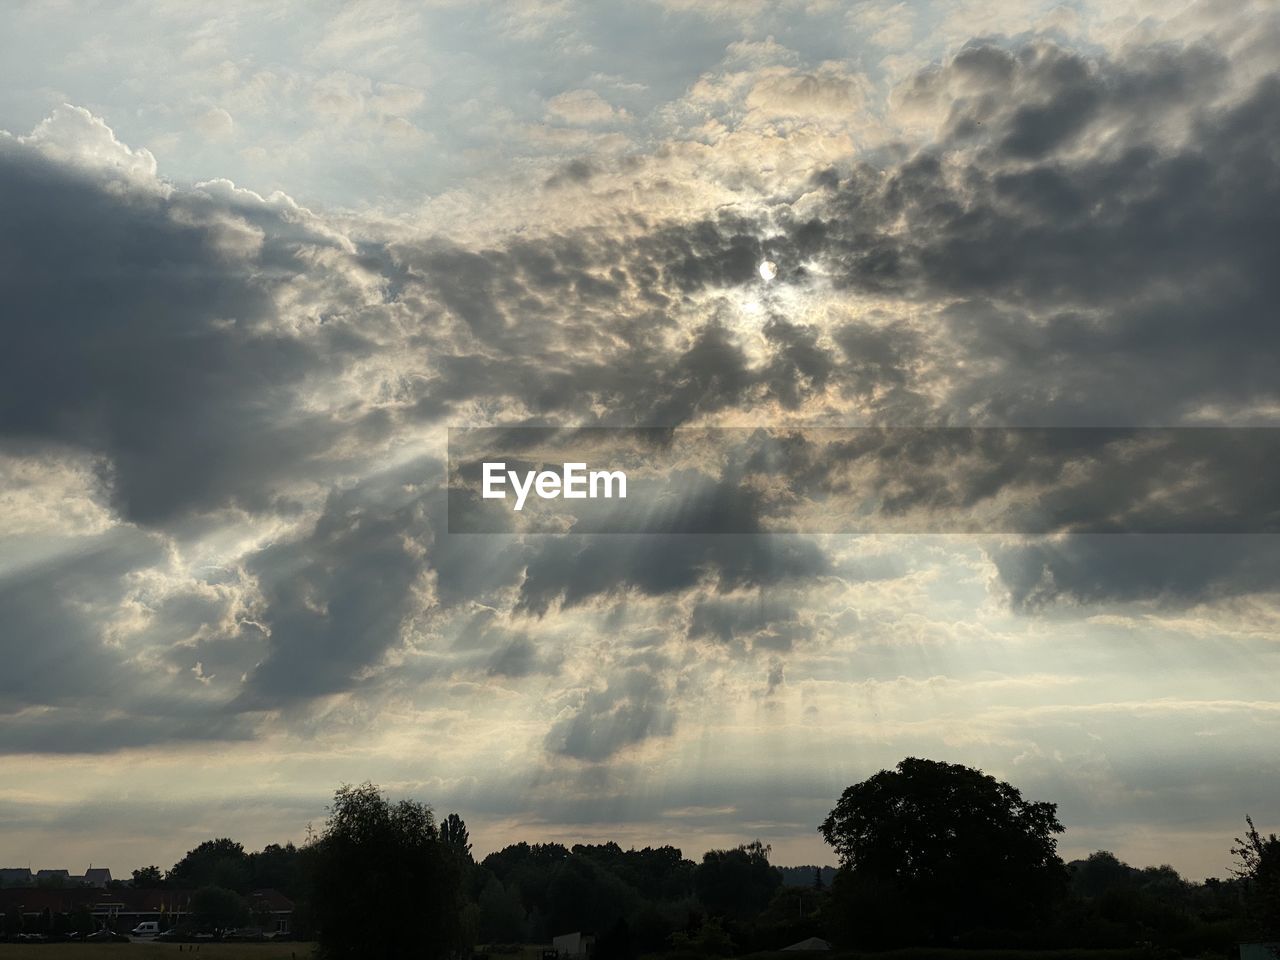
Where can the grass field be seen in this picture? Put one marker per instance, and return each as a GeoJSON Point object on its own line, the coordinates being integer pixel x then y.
{"type": "Point", "coordinates": [302, 951]}
{"type": "Point", "coordinates": [158, 951]}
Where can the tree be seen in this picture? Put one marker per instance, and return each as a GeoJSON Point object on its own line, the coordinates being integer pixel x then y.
{"type": "Point", "coordinates": [1258, 865]}
{"type": "Point", "coordinates": [215, 863]}
{"type": "Point", "coordinates": [383, 885]}
{"type": "Point", "coordinates": [277, 867]}
{"type": "Point", "coordinates": [217, 910]}
{"type": "Point", "coordinates": [931, 849]}
{"type": "Point", "coordinates": [502, 916]}
{"type": "Point", "coordinates": [736, 883]}
{"type": "Point", "coordinates": [710, 939]}
{"type": "Point", "coordinates": [581, 895]}
{"type": "Point", "coordinates": [528, 869]}
{"type": "Point", "coordinates": [148, 877]}
{"type": "Point", "coordinates": [453, 834]}
{"type": "Point", "coordinates": [1102, 873]}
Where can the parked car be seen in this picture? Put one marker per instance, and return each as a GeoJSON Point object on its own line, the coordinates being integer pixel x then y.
{"type": "Point", "coordinates": [148, 928]}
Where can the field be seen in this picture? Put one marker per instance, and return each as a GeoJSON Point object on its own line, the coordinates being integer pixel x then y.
{"type": "Point", "coordinates": [158, 951]}
{"type": "Point", "coordinates": [302, 951]}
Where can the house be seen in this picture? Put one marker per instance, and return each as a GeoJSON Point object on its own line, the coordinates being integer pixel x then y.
{"type": "Point", "coordinates": [813, 943]}
{"type": "Point", "coordinates": [34, 901]}
{"type": "Point", "coordinates": [574, 945]}
{"type": "Point", "coordinates": [97, 877]}
{"type": "Point", "coordinates": [126, 907]}
{"type": "Point", "coordinates": [274, 905]}
{"type": "Point", "coordinates": [16, 877]}
{"type": "Point", "coordinates": [93, 877]}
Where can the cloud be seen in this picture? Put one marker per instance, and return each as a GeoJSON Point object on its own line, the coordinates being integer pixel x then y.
{"type": "Point", "coordinates": [782, 93]}
{"type": "Point", "coordinates": [51, 648]}
{"type": "Point", "coordinates": [75, 137]}
{"type": "Point", "coordinates": [336, 600]}
{"type": "Point", "coordinates": [149, 327]}
{"type": "Point", "coordinates": [572, 570]}
{"type": "Point", "coordinates": [630, 709]}
{"type": "Point", "coordinates": [583, 107]}
{"type": "Point", "coordinates": [216, 123]}
{"type": "Point", "coordinates": [1169, 569]}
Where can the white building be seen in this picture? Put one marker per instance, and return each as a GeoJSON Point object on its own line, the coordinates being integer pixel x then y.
{"type": "Point", "coordinates": [574, 944]}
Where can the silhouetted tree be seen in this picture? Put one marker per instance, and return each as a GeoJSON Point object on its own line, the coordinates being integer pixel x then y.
{"type": "Point", "coordinates": [383, 884]}
{"type": "Point", "coordinates": [1258, 866]}
{"type": "Point", "coordinates": [502, 917]}
{"type": "Point", "coordinates": [277, 867]}
{"type": "Point", "coordinates": [217, 910]}
{"type": "Point", "coordinates": [148, 877]}
{"type": "Point", "coordinates": [1099, 874]}
{"type": "Point", "coordinates": [736, 883]}
{"type": "Point", "coordinates": [214, 863]}
{"type": "Point", "coordinates": [710, 939]}
{"type": "Point", "coordinates": [453, 834]}
{"type": "Point", "coordinates": [930, 849]}
{"type": "Point", "coordinates": [527, 868]}
{"type": "Point", "coordinates": [583, 896]}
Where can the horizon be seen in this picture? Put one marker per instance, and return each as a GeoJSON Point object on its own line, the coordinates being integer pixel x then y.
{"type": "Point", "coordinates": [480, 850]}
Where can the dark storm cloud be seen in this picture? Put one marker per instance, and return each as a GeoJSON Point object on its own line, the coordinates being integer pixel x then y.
{"type": "Point", "coordinates": [519, 658]}
{"type": "Point", "coordinates": [1098, 274]}
{"type": "Point", "coordinates": [727, 619]}
{"type": "Point", "coordinates": [1083, 279]}
{"type": "Point", "coordinates": [130, 331]}
{"type": "Point", "coordinates": [572, 570]}
{"type": "Point", "coordinates": [571, 321]}
{"type": "Point", "coordinates": [79, 730]}
{"type": "Point", "coordinates": [49, 646]}
{"type": "Point", "coordinates": [633, 707]}
{"type": "Point", "coordinates": [1079, 260]}
{"type": "Point", "coordinates": [907, 479]}
{"type": "Point", "coordinates": [501, 651]}
{"type": "Point", "coordinates": [336, 599]}
{"type": "Point", "coordinates": [1094, 273]}
{"type": "Point", "coordinates": [1174, 570]}
{"type": "Point", "coordinates": [103, 698]}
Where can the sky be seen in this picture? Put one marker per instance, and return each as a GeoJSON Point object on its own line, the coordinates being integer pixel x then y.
{"type": "Point", "coordinates": [257, 259]}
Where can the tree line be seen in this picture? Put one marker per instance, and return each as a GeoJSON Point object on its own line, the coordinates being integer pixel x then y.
{"type": "Point", "coordinates": [930, 854]}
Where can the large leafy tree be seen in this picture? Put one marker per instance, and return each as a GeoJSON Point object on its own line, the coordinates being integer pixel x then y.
{"type": "Point", "coordinates": [278, 867]}
{"type": "Point", "coordinates": [931, 849]}
{"type": "Point", "coordinates": [150, 876]}
{"type": "Point", "coordinates": [383, 883]}
{"type": "Point", "coordinates": [1258, 866]}
{"type": "Point", "coordinates": [216, 863]}
{"type": "Point", "coordinates": [737, 883]}
{"type": "Point", "coordinates": [453, 833]}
